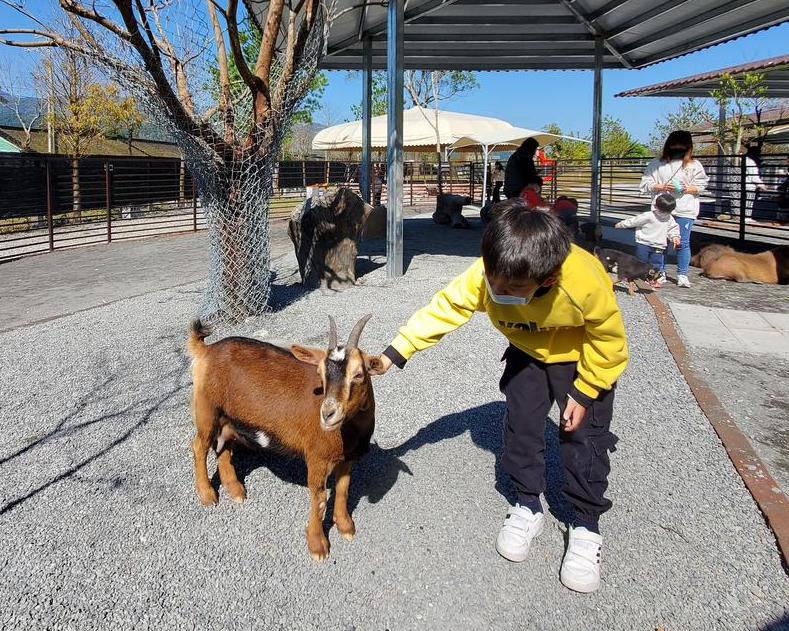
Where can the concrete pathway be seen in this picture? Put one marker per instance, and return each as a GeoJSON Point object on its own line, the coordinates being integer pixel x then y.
{"type": "Point", "coordinates": [732, 330]}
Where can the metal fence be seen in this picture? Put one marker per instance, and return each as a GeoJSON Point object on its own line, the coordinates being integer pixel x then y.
{"type": "Point", "coordinates": [51, 202]}
{"type": "Point", "coordinates": [726, 204]}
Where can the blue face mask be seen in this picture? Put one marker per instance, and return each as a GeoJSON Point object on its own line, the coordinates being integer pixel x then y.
{"type": "Point", "coordinates": [507, 300]}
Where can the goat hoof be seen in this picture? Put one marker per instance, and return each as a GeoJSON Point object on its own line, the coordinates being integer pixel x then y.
{"type": "Point", "coordinates": [237, 492]}
{"type": "Point", "coordinates": [319, 549]}
{"type": "Point", "coordinates": [347, 529]}
{"type": "Point", "coordinates": [209, 497]}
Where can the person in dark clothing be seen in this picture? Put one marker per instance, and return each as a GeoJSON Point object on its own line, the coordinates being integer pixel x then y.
{"type": "Point", "coordinates": [520, 168]}
{"type": "Point", "coordinates": [498, 181]}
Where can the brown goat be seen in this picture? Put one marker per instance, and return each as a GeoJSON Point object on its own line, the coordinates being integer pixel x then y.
{"type": "Point", "coordinates": [722, 262]}
{"type": "Point", "coordinates": [308, 401]}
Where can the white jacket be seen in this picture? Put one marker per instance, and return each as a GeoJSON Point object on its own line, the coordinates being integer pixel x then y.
{"type": "Point", "coordinates": [753, 180]}
{"type": "Point", "coordinates": [693, 174]}
{"type": "Point", "coordinates": [654, 228]}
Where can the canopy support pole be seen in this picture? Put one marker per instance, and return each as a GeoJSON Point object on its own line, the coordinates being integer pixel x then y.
{"type": "Point", "coordinates": [394, 144]}
{"type": "Point", "coordinates": [367, 102]}
{"type": "Point", "coordinates": [597, 105]}
{"type": "Point", "coordinates": [485, 154]}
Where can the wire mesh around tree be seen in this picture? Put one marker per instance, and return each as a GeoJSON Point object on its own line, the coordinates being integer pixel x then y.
{"type": "Point", "coordinates": [231, 152]}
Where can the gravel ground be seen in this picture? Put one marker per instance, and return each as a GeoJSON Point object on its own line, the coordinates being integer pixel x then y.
{"type": "Point", "coordinates": [102, 528]}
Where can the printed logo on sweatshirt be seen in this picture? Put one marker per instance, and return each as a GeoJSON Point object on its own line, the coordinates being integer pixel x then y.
{"type": "Point", "coordinates": [531, 327]}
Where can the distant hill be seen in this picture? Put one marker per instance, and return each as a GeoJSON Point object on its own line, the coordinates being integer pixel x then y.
{"type": "Point", "coordinates": [29, 107]}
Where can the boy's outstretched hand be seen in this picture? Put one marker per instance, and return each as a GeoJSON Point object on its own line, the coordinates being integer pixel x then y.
{"type": "Point", "coordinates": [573, 415]}
{"type": "Point", "coordinates": [386, 363]}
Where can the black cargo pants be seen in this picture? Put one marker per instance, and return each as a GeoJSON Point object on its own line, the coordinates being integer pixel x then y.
{"type": "Point", "coordinates": [531, 387]}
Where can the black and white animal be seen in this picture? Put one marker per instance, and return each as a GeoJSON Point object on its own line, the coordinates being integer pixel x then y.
{"type": "Point", "coordinates": [626, 267]}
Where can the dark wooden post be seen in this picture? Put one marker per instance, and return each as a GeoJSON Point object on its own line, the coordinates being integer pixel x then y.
{"type": "Point", "coordinates": [107, 199]}
{"type": "Point", "coordinates": [411, 181]}
{"type": "Point", "coordinates": [743, 198]}
{"type": "Point", "coordinates": [50, 227]}
{"type": "Point", "coordinates": [194, 205]}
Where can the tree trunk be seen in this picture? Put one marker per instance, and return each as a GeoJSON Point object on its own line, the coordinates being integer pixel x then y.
{"type": "Point", "coordinates": [76, 195]}
{"type": "Point", "coordinates": [236, 205]}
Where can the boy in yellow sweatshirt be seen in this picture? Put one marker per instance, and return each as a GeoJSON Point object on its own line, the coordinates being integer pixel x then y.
{"type": "Point", "coordinates": [554, 302]}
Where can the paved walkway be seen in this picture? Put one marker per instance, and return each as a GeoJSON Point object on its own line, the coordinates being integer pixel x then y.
{"type": "Point", "coordinates": [733, 330]}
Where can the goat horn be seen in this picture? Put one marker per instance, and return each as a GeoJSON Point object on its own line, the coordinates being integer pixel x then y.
{"type": "Point", "coordinates": [353, 338]}
{"type": "Point", "coordinates": [332, 334]}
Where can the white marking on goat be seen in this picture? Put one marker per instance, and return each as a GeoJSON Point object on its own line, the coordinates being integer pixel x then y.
{"type": "Point", "coordinates": [338, 354]}
{"type": "Point", "coordinates": [220, 443]}
{"type": "Point", "coordinates": [262, 439]}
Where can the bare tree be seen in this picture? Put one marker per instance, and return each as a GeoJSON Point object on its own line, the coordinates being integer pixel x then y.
{"type": "Point", "coordinates": [84, 109]}
{"type": "Point", "coordinates": [18, 98]}
{"type": "Point", "coordinates": [327, 115]}
{"type": "Point", "coordinates": [298, 146]}
{"type": "Point", "coordinates": [160, 50]}
{"type": "Point", "coordinates": [428, 88]}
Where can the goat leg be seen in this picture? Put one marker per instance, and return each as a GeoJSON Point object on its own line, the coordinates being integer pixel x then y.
{"type": "Point", "coordinates": [205, 491]}
{"type": "Point", "coordinates": [318, 544]}
{"type": "Point", "coordinates": [342, 477]}
{"type": "Point", "coordinates": [227, 474]}
{"type": "Point", "coordinates": [631, 288]}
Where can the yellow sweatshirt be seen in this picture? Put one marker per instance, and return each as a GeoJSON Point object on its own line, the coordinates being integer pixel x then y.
{"type": "Point", "coordinates": [576, 319]}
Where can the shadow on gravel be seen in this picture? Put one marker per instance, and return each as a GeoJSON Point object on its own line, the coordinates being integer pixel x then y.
{"type": "Point", "coordinates": [141, 410]}
{"type": "Point", "coordinates": [484, 425]}
{"type": "Point", "coordinates": [379, 470]}
{"type": "Point", "coordinates": [780, 624]}
{"type": "Point", "coordinates": [422, 236]}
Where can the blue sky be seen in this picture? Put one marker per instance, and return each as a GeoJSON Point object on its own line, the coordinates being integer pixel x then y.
{"type": "Point", "coordinates": [535, 98]}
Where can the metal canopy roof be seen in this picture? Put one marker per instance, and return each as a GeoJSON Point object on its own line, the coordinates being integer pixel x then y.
{"type": "Point", "coordinates": [775, 71]}
{"type": "Point", "coordinates": [541, 34]}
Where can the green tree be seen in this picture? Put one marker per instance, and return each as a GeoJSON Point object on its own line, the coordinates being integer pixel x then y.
{"type": "Point", "coordinates": [616, 141]}
{"type": "Point", "coordinates": [564, 149]}
{"type": "Point", "coordinates": [378, 92]}
{"type": "Point", "coordinates": [688, 114]}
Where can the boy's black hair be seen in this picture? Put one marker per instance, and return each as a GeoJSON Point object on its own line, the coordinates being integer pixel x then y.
{"type": "Point", "coordinates": [519, 243]}
{"type": "Point", "coordinates": [665, 203]}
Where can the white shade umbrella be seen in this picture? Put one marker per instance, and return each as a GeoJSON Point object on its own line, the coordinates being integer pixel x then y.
{"type": "Point", "coordinates": [418, 134]}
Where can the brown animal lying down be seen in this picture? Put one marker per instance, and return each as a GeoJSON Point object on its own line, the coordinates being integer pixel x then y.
{"type": "Point", "coordinates": [721, 261]}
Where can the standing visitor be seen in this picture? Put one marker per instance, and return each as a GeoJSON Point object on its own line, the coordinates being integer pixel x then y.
{"type": "Point", "coordinates": [678, 173]}
{"type": "Point", "coordinates": [520, 168]}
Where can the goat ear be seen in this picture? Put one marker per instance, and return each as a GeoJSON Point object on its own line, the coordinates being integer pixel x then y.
{"type": "Point", "coordinates": [373, 364]}
{"type": "Point", "coordinates": [308, 355]}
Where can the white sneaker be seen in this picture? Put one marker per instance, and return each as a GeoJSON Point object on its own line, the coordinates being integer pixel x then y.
{"type": "Point", "coordinates": [581, 563]}
{"type": "Point", "coordinates": [683, 281]}
{"type": "Point", "coordinates": [519, 528]}
{"type": "Point", "coordinates": [661, 279]}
